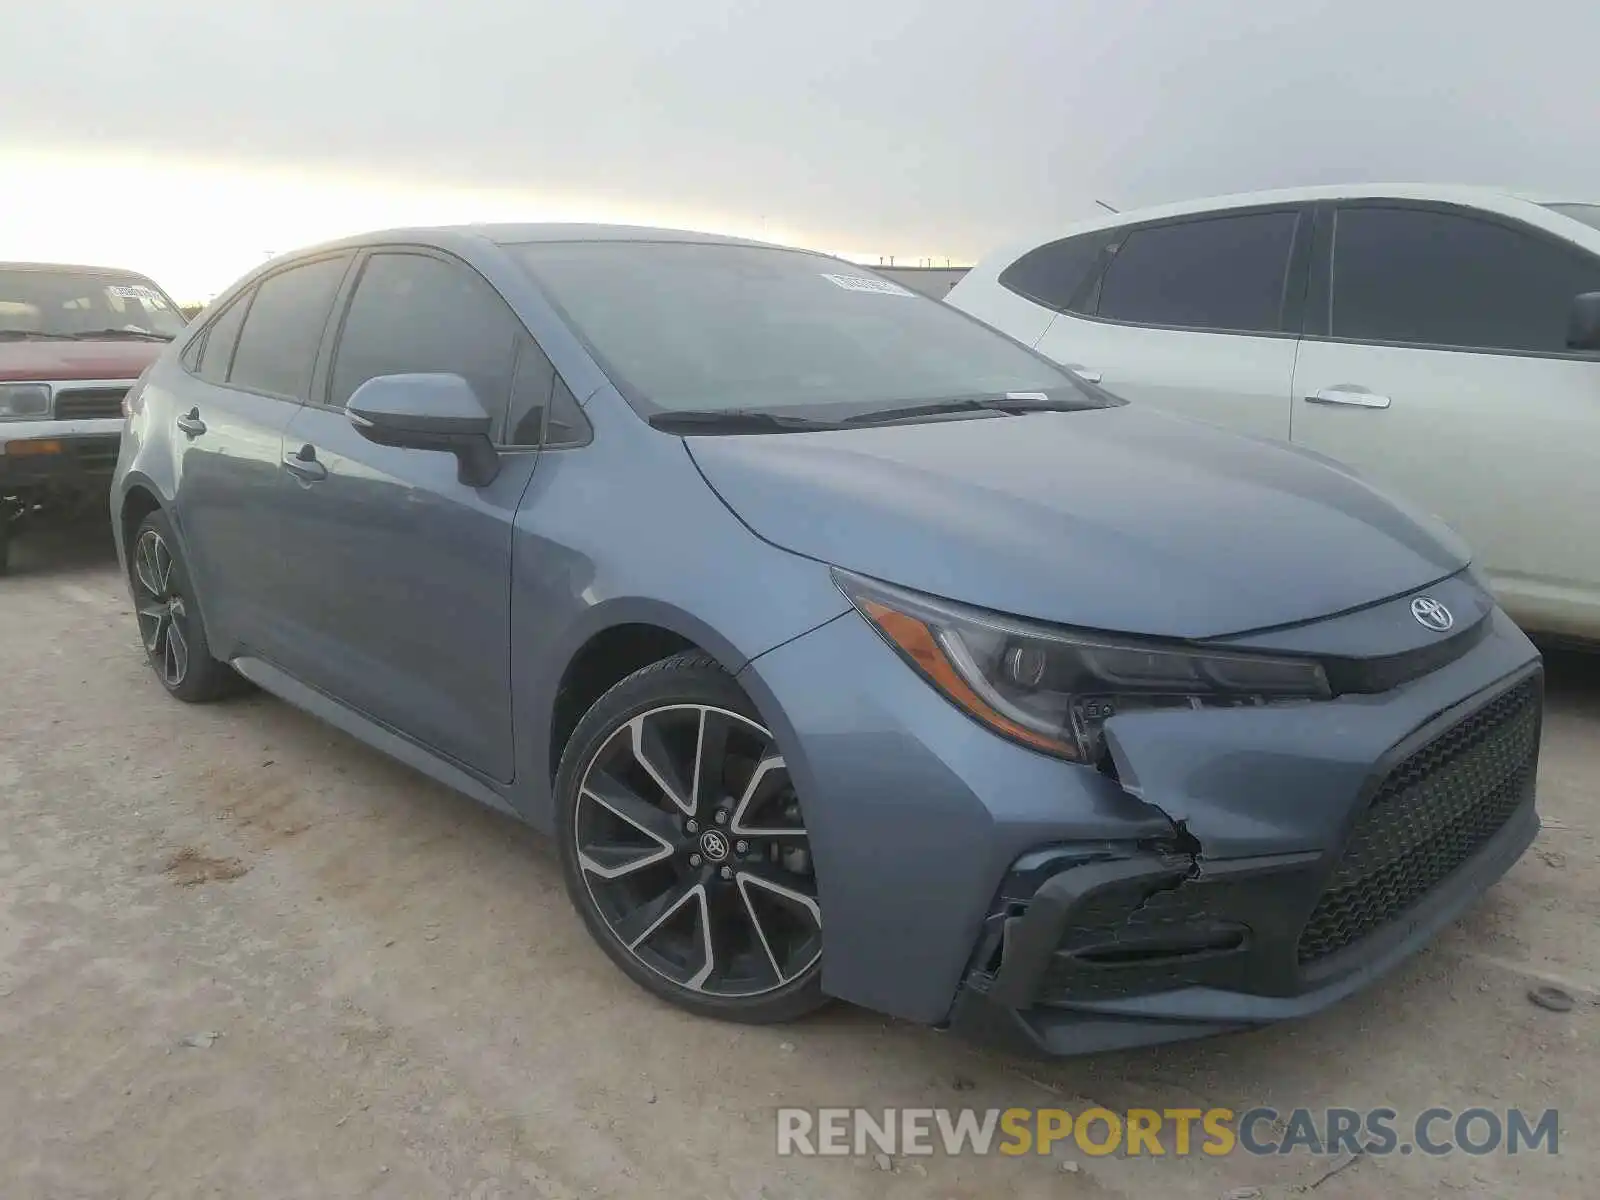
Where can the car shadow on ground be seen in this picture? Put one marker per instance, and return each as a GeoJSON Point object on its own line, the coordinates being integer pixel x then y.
{"type": "Point", "coordinates": [62, 546]}
{"type": "Point", "coordinates": [1572, 678]}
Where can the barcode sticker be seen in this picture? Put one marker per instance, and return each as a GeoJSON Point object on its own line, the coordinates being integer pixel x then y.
{"type": "Point", "coordinates": [863, 283]}
{"type": "Point", "coordinates": [135, 291]}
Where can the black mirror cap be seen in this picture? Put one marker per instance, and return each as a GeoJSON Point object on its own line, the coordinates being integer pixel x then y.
{"type": "Point", "coordinates": [428, 412]}
{"type": "Point", "coordinates": [1583, 326]}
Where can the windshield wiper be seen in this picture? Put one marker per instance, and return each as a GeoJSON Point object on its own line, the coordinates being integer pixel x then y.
{"type": "Point", "coordinates": [1010, 402]}
{"type": "Point", "coordinates": [734, 420]}
{"type": "Point", "coordinates": [143, 334]}
{"type": "Point", "coordinates": [22, 335]}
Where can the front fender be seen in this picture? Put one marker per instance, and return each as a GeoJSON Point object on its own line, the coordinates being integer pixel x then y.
{"type": "Point", "coordinates": [625, 532]}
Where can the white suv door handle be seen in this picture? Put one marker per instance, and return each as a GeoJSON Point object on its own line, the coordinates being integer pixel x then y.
{"type": "Point", "coordinates": [1081, 372]}
{"type": "Point", "coordinates": [1356, 397]}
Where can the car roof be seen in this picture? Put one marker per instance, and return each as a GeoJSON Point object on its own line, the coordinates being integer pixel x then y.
{"type": "Point", "coordinates": [512, 234]}
{"type": "Point", "coordinates": [1529, 207]}
{"type": "Point", "coordinates": [1476, 196]}
{"type": "Point", "coordinates": [70, 268]}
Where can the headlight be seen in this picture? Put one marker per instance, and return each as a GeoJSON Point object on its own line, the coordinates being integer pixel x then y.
{"type": "Point", "coordinates": [1054, 689]}
{"type": "Point", "coordinates": [24, 401]}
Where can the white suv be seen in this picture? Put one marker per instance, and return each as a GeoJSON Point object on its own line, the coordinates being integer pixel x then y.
{"type": "Point", "coordinates": [1445, 341]}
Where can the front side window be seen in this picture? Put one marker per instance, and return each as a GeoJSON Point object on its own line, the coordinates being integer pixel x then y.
{"type": "Point", "coordinates": [416, 313]}
{"type": "Point", "coordinates": [1218, 273]}
{"type": "Point", "coordinates": [1054, 275]}
{"type": "Point", "coordinates": [710, 326]}
{"type": "Point", "coordinates": [1445, 279]}
{"type": "Point", "coordinates": [84, 306]}
{"type": "Point", "coordinates": [283, 328]}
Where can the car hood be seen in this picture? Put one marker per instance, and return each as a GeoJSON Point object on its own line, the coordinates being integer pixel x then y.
{"type": "Point", "coordinates": [1122, 518]}
{"type": "Point", "coordinates": [50, 362]}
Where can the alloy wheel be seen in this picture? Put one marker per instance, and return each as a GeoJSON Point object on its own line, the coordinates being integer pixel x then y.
{"type": "Point", "coordinates": [163, 612]}
{"type": "Point", "coordinates": [691, 845]}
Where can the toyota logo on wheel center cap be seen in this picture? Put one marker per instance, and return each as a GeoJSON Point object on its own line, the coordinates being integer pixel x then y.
{"type": "Point", "coordinates": [714, 845]}
{"type": "Point", "coordinates": [1430, 614]}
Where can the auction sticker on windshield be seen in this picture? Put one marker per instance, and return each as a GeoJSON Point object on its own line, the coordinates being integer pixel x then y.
{"type": "Point", "coordinates": [124, 291]}
{"type": "Point", "coordinates": [861, 283]}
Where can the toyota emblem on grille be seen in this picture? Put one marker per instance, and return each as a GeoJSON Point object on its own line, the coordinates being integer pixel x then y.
{"type": "Point", "coordinates": [1430, 614]}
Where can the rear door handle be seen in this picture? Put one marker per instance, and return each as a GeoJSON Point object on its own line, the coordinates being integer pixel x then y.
{"type": "Point", "coordinates": [303, 465]}
{"type": "Point", "coordinates": [191, 424]}
{"type": "Point", "coordinates": [1355, 397]}
{"type": "Point", "coordinates": [1081, 372]}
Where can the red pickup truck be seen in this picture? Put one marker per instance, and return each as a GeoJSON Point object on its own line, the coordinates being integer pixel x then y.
{"type": "Point", "coordinates": [73, 341]}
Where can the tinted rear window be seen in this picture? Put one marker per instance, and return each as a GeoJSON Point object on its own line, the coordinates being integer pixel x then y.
{"type": "Point", "coordinates": [1221, 273]}
{"type": "Point", "coordinates": [1055, 275]}
{"type": "Point", "coordinates": [680, 325]}
{"type": "Point", "coordinates": [216, 356]}
{"type": "Point", "coordinates": [283, 328]}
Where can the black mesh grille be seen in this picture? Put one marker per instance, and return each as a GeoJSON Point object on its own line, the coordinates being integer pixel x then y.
{"type": "Point", "coordinates": [1433, 812]}
{"type": "Point", "coordinates": [86, 403]}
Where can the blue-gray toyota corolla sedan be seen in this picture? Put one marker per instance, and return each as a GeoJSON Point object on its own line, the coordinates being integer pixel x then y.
{"type": "Point", "coordinates": [847, 647]}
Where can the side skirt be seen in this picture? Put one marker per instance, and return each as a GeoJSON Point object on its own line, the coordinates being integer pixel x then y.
{"type": "Point", "coordinates": [380, 737]}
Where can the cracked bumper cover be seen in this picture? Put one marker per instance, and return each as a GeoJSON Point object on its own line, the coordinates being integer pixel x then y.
{"type": "Point", "coordinates": [932, 838]}
{"type": "Point", "coordinates": [1152, 944]}
{"type": "Point", "coordinates": [1239, 977]}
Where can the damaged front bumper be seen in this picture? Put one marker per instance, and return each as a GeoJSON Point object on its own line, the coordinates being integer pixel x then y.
{"type": "Point", "coordinates": [1240, 866]}
{"type": "Point", "coordinates": [1161, 942]}
{"type": "Point", "coordinates": [1163, 947]}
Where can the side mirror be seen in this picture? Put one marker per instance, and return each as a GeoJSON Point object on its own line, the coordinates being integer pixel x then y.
{"type": "Point", "coordinates": [428, 412]}
{"type": "Point", "coordinates": [1583, 325]}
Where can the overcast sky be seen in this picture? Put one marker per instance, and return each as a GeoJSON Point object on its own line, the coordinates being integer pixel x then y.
{"type": "Point", "coordinates": [864, 126]}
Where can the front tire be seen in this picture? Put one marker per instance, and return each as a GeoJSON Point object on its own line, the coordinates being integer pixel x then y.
{"type": "Point", "coordinates": [683, 846]}
{"type": "Point", "coordinates": [169, 618]}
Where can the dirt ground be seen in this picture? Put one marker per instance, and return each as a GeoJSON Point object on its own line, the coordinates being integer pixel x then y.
{"type": "Point", "coordinates": [241, 955]}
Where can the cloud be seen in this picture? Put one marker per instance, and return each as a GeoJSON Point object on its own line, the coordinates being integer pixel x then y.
{"type": "Point", "coordinates": [909, 126]}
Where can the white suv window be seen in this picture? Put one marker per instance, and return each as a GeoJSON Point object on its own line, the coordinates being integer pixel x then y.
{"type": "Point", "coordinates": [1432, 278]}
{"type": "Point", "coordinates": [1053, 275]}
{"type": "Point", "coordinates": [1222, 273]}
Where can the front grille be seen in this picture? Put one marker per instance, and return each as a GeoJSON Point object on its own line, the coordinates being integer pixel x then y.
{"type": "Point", "coordinates": [1433, 812]}
{"type": "Point", "coordinates": [97, 455]}
{"type": "Point", "coordinates": [89, 403]}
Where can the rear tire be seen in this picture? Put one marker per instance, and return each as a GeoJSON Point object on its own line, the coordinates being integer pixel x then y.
{"type": "Point", "coordinates": [683, 848]}
{"type": "Point", "coordinates": [170, 628]}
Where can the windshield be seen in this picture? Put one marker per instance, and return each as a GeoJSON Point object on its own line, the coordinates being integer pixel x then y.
{"type": "Point", "coordinates": [1589, 214]}
{"type": "Point", "coordinates": [694, 326]}
{"type": "Point", "coordinates": [60, 303]}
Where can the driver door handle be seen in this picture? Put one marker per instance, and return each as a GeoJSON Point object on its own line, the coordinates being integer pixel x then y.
{"type": "Point", "coordinates": [303, 465]}
{"type": "Point", "coordinates": [190, 423]}
{"type": "Point", "coordinates": [1082, 372]}
{"type": "Point", "coordinates": [1348, 394]}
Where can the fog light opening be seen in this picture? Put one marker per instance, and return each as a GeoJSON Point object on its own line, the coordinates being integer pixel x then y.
{"type": "Point", "coordinates": [1219, 941]}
